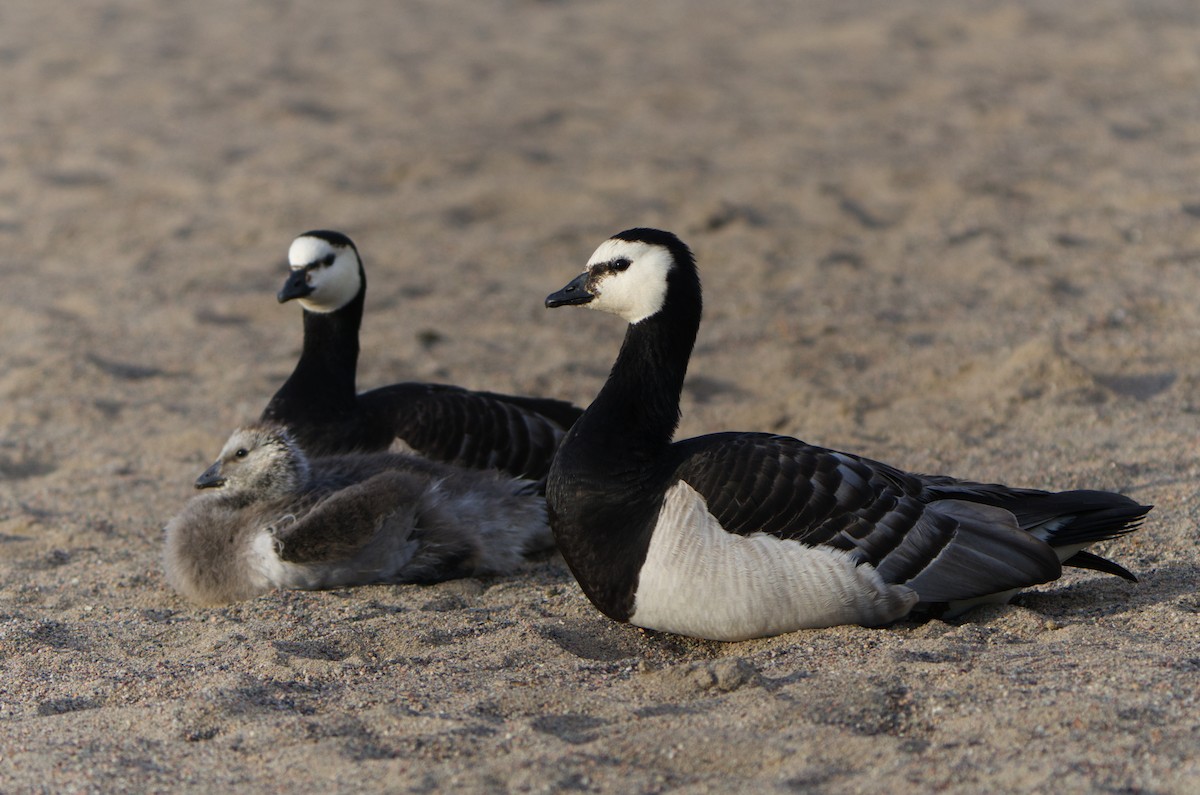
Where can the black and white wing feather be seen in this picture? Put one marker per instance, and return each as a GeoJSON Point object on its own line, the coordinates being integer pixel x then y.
{"type": "Point", "coordinates": [946, 549]}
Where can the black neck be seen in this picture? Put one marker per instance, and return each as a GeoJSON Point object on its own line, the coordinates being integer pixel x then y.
{"type": "Point", "coordinates": [329, 360]}
{"type": "Point", "coordinates": [640, 400]}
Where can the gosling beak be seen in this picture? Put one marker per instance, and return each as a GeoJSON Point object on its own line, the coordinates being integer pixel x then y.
{"type": "Point", "coordinates": [211, 478]}
{"type": "Point", "coordinates": [296, 286]}
{"type": "Point", "coordinates": [573, 294]}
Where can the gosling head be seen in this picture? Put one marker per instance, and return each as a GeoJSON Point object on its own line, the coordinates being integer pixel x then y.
{"type": "Point", "coordinates": [259, 461]}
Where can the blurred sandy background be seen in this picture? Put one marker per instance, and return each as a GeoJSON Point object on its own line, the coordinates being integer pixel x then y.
{"type": "Point", "coordinates": [961, 238]}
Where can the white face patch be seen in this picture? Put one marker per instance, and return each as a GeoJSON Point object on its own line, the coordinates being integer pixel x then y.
{"type": "Point", "coordinates": [334, 285]}
{"type": "Point", "coordinates": [638, 291]}
{"type": "Point", "coordinates": [701, 581]}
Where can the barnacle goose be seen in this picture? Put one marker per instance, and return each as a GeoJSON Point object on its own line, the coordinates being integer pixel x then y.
{"type": "Point", "coordinates": [271, 517]}
{"type": "Point", "coordinates": [319, 403]}
{"type": "Point", "coordinates": [740, 535]}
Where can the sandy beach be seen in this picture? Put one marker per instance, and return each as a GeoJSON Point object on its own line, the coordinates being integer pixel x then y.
{"type": "Point", "coordinates": [958, 238]}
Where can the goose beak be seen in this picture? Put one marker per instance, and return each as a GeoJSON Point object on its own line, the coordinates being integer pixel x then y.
{"type": "Point", "coordinates": [573, 294]}
{"type": "Point", "coordinates": [211, 478]}
{"type": "Point", "coordinates": [296, 286]}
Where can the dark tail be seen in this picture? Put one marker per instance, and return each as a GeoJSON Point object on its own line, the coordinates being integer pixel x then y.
{"type": "Point", "coordinates": [1086, 560]}
{"type": "Point", "coordinates": [1062, 520]}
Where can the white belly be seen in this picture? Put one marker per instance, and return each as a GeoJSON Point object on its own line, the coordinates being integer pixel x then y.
{"type": "Point", "coordinates": [701, 581]}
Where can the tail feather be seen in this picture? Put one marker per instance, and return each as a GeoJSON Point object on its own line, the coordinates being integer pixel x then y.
{"type": "Point", "coordinates": [1081, 521]}
{"type": "Point", "coordinates": [1063, 520]}
{"type": "Point", "coordinates": [1086, 560]}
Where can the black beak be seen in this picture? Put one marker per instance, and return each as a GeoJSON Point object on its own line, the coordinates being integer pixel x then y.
{"type": "Point", "coordinates": [573, 294]}
{"type": "Point", "coordinates": [296, 286]}
{"type": "Point", "coordinates": [211, 478]}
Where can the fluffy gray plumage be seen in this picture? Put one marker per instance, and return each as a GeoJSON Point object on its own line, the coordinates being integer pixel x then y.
{"type": "Point", "coordinates": [269, 517]}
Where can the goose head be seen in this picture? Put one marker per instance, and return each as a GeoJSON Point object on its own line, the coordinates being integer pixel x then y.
{"type": "Point", "coordinates": [259, 461]}
{"type": "Point", "coordinates": [631, 275]}
{"type": "Point", "coordinates": [326, 271]}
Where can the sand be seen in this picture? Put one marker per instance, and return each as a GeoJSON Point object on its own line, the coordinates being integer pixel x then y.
{"type": "Point", "coordinates": [960, 238]}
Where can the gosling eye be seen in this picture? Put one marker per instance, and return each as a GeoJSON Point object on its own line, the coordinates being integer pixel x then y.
{"type": "Point", "coordinates": [242, 452]}
{"type": "Point", "coordinates": [621, 264]}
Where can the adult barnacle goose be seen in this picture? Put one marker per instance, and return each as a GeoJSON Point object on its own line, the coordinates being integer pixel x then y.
{"type": "Point", "coordinates": [320, 405]}
{"type": "Point", "coordinates": [270, 517]}
{"type": "Point", "coordinates": [740, 535]}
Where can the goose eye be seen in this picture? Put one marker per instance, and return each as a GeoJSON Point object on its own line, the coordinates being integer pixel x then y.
{"type": "Point", "coordinates": [621, 264]}
{"type": "Point", "coordinates": [242, 452]}
{"type": "Point", "coordinates": [328, 259]}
